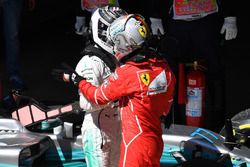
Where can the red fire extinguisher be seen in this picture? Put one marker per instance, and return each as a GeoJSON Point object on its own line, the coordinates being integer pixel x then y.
{"type": "Point", "coordinates": [195, 106]}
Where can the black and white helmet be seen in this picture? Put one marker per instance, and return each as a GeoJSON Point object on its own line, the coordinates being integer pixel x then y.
{"type": "Point", "coordinates": [100, 21]}
{"type": "Point", "coordinates": [128, 33]}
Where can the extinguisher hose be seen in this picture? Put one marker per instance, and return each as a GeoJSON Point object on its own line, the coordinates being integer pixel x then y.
{"type": "Point", "coordinates": [197, 66]}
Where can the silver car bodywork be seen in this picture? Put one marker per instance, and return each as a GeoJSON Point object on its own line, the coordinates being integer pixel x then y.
{"type": "Point", "coordinates": [18, 146]}
{"type": "Point", "coordinates": [181, 143]}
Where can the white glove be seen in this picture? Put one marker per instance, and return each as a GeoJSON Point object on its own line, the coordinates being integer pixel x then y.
{"type": "Point", "coordinates": [80, 25]}
{"type": "Point", "coordinates": [229, 28]}
{"type": "Point", "coordinates": [156, 25]}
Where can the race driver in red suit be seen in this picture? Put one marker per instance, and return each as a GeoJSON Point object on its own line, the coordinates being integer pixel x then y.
{"type": "Point", "coordinates": [144, 86]}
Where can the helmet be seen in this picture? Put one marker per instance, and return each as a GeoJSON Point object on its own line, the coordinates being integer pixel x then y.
{"type": "Point", "coordinates": [99, 23]}
{"type": "Point", "coordinates": [128, 33]}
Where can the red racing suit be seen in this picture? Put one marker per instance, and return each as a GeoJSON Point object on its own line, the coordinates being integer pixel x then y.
{"type": "Point", "coordinates": [145, 92]}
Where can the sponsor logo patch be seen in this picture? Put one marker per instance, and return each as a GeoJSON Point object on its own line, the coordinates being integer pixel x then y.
{"type": "Point", "coordinates": [143, 31]}
{"type": "Point", "coordinates": [145, 78]}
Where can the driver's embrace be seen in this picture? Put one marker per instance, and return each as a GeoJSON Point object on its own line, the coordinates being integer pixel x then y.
{"type": "Point", "coordinates": [143, 84]}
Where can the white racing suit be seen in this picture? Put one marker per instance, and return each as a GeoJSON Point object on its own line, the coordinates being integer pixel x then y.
{"type": "Point", "coordinates": [101, 129]}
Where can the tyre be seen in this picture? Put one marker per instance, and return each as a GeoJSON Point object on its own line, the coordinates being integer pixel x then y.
{"type": "Point", "coordinates": [241, 127]}
{"type": "Point", "coordinates": [200, 163]}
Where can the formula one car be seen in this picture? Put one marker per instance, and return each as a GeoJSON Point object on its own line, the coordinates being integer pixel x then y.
{"type": "Point", "coordinates": [241, 127]}
{"type": "Point", "coordinates": [193, 146]}
{"type": "Point", "coordinates": [19, 147]}
{"type": "Point", "coordinates": [57, 126]}
{"type": "Point", "coordinates": [39, 124]}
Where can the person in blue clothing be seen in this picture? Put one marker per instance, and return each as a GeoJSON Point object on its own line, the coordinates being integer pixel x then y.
{"type": "Point", "coordinates": [10, 15]}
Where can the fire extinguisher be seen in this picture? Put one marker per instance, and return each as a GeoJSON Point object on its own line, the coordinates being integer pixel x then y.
{"type": "Point", "coordinates": [195, 106]}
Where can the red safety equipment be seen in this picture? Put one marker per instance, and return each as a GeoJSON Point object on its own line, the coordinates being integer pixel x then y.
{"type": "Point", "coordinates": [195, 106]}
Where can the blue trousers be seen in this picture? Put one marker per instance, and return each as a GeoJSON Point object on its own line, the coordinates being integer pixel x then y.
{"type": "Point", "coordinates": [10, 12]}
